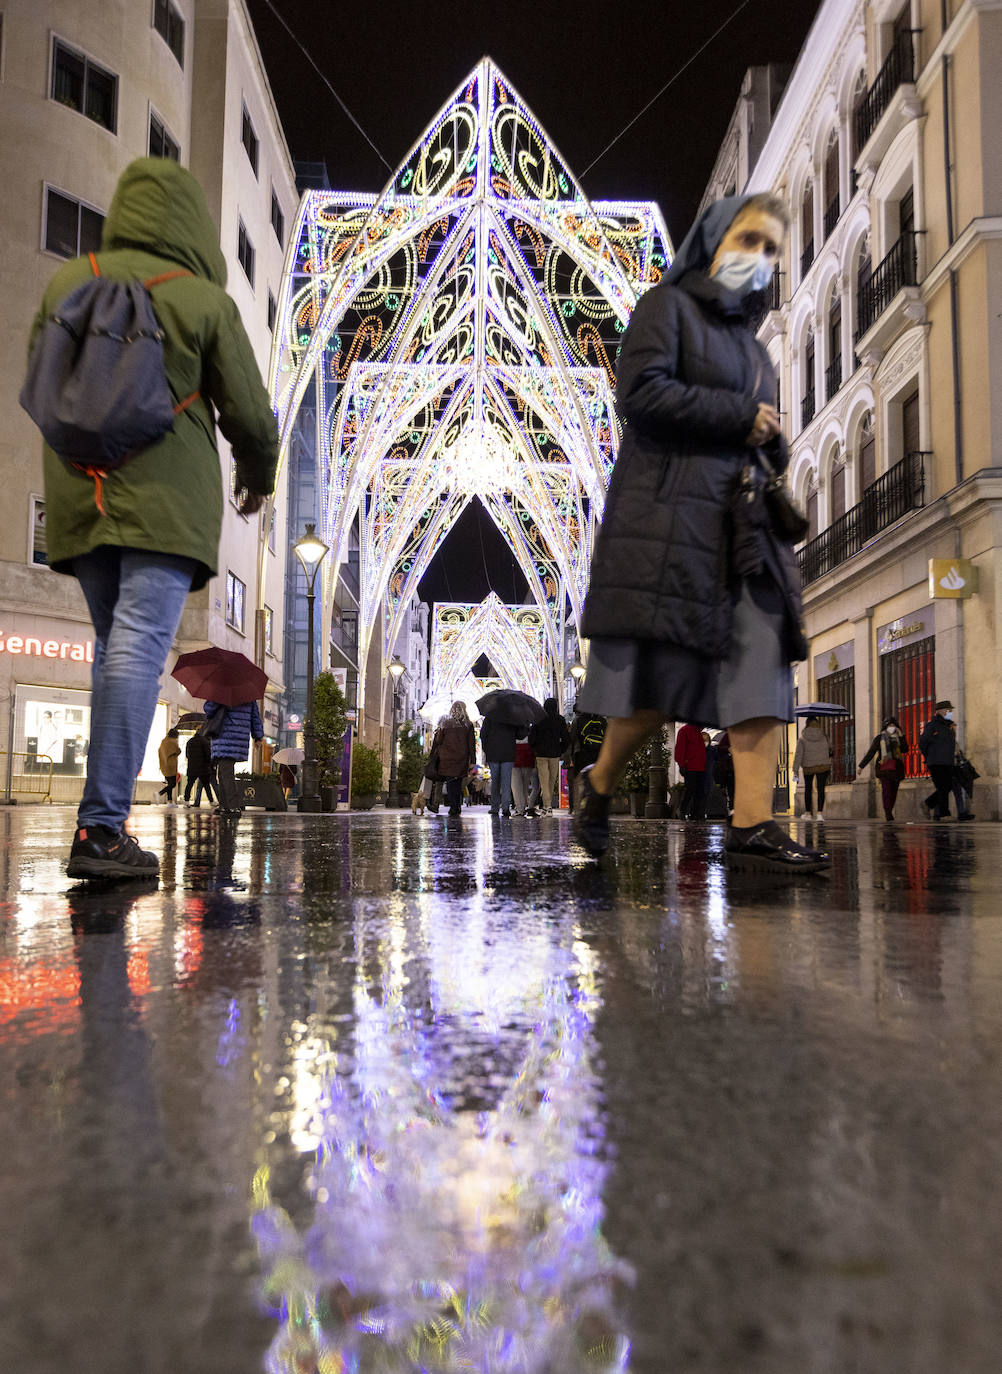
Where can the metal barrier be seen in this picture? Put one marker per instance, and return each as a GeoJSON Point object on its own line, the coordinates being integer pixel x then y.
{"type": "Point", "coordinates": [32, 781]}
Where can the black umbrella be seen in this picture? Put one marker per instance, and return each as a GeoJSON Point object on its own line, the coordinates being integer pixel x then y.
{"type": "Point", "coordinates": [509, 707]}
{"type": "Point", "coordinates": [820, 708]}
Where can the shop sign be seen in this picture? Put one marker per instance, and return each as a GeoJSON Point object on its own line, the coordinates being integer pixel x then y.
{"type": "Point", "coordinates": [33, 647]}
{"type": "Point", "coordinates": [903, 631]}
{"type": "Point", "coordinates": [834, 660]}
{"type": "Point", "coordinates": [952, 578]}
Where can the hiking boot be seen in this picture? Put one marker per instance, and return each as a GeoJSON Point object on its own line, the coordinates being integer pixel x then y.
{"type": "Point", "coordinates": [590, 822]}
{"type": "Point", "coordinates": [769, 849]}
{"type": "Point", "coordinates": [98, 852]}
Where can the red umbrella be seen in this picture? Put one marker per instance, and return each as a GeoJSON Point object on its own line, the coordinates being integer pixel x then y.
{"type": "Point", "coordinates": [221, 675]}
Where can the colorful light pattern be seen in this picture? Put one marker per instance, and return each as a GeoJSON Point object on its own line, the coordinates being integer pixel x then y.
{"type": "Point", "coordinates": [455, 337]}
{"type": "Point", "coordinates": [514, 638]}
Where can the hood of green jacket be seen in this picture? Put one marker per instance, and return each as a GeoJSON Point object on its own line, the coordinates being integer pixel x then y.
{"type": "Point", "coordinates": [160, 207]}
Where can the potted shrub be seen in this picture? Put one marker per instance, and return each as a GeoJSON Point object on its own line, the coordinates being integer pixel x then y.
{"type": "Point", "coordinates": [330, 720]}
{"type": "Point", "coordinates": [637, 778]}
{"type": "Point", "coordinates": [366, 777]}
{"type": "Point", "coordinates": [410, 761]}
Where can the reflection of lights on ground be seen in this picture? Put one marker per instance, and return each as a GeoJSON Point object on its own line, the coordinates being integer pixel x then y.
{"type": "Point", "coordinates": [447, 1238]}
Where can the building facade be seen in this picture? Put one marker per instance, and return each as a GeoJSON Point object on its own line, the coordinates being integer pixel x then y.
{"type": "Point", "coordinates": [886, 333]}
{"type": "Point", "coordinates": [173, 78]}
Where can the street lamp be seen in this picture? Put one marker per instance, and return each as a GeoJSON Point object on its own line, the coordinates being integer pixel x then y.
{"type": "Point", "coordinates": [311, 552]}
{"type": "Point", "coordinates": [396, 670]}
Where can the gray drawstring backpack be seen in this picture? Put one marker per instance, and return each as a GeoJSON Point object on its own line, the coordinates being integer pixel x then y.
{"type": "Point", "coordinates": [96, 384]}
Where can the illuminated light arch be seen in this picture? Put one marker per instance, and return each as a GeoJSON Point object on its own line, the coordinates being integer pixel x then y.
{"type": "Point", "coordinates": [455, 338]}
{"type": "Point", "coordinates": [514, 638]}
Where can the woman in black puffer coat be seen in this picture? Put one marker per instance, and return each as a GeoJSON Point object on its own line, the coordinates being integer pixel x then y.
{"type": "Point", "coordinates": [676, 632]}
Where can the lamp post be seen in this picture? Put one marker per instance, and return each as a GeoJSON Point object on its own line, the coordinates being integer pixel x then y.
{"type": "Point", "coordinates": [657, 803]}
{"type": "Point", "coordinates": [396, 670]}
{"type": "Point", "coordinates": [311, 552]}
{"type": "Point", "coordinates": [577, 671]}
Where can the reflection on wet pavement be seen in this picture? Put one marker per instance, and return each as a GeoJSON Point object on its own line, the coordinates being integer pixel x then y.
{"type": "Point", "coordinates": [379, 1093]}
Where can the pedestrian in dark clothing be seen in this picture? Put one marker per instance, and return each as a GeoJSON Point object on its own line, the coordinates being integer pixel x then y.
{"type": "Point", "coordinates": [198, 756]}
{"type": "Point", "coordinates": [498, 739]}
{"type": "Point", "coordinates": [455, 747]}
{"type": "Point", "coordinates": [889, 747]}
{"type": "Point", "coordinates": [230, 746]}
{"type": "Point", "coordinates": [937, 743]}
{"type": "Point", "coordinates": [690, 755]}
{"type": "Point", "coordinates": [140, 537]}
{"type": "Point", "coordinates": [687, 621]}
{"type": "Point", "coordinates": [723, 767]}
{"type": "Point", "coordinates": [550, 739]}
{"type": "Point", "coordinates": [964, 774]}
{"type": "Point", "coordinates": [587, 731]}
{"type": "Point", "coordinates": [169, 753]}
{"type": "Point", "coordinates": [288, 776]}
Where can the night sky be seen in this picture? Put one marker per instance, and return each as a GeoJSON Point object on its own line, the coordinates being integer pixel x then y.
{"type": "Point", "coordinates": [585, 70]}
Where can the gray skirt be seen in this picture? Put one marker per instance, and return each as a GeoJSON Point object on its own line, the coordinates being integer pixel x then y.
{"type": "Point", "coordinates": [756, 679]}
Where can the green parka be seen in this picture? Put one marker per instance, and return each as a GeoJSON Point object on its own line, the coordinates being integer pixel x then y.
{"type": "Point", "coordinates": [169, 498]}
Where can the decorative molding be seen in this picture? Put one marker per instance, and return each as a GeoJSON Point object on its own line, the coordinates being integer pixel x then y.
{"type": "Point", "coordinates": [977, 232]}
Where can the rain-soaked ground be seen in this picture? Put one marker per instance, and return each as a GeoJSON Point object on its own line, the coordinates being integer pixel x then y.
{"type": "Point", "coordinates": [375, 1093]}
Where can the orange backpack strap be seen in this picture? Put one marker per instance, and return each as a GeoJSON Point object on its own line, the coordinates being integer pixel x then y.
{"type": "Point", "coordinates": [93, 264]}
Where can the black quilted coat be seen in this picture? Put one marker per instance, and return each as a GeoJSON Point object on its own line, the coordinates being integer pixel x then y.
{"type": "Point", "coordinates": [690, 378]}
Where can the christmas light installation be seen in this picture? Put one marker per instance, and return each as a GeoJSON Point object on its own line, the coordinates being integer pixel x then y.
{"type": "Point", "coordinates": [454, 338]}
{"type": "Point", "coordinates": [514, 638]}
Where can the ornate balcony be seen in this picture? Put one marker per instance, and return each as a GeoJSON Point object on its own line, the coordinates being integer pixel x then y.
{"type": "Point", "coordinates": [833, 377]}
{"type": "Point", "coordinates": [901, 489]}
{"type": "Point", "coordinates": [898, 269]}
{"type": "Point", "coordinates": [806, 258]}
{"type": "Point", "coordinates": [807, 408]}
{"type": "Point", "coordinates": [898, 70]}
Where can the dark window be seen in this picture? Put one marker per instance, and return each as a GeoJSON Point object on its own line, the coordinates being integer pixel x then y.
{"type": "Point", "coordinates": [867, 460]}
{"type": "Point", "coordinates": [808, 401]}
{"type": "Point", "coordinates": [910, 424]}
{"type": "Point", "coordinates": [245, 252]}
{"type": "Point", "coordinates": [272, 311]}
{"type": "Point", "coordinates": [349, 631]}
{"type": "Point", "coordinates": [863, 274]}
{"type": "Point", "coordinates": [277, 219]}
{"type": "Point", "coordinates": [906, 212]}
{"type": "Point", "coordinates": [908, 692]}
{"type": "Point", "coordinates": [169, 24]}
{"type": "Point", "coordinates": [39, 543]}
{"type": "Point", "coordinates": [807, 230]}
{"type": "Point", "coordinates": [812, 513]}
{"type": "Point", "coordinates": [84, 86]}
{"type": "Point", "coordinates": [833, 376]}
{"type": "Point", "coordinates": [249, 139]}
{"type": "Point", "coordinates": [161, 143]}
{"type": "Point", "coordinates": [840, 689]}
{"type": "Point", "coordinates": [70, 228]}
{"type": "Point", "coordinates": [858, 100]}
{"type": "Point", "coordinates": [831, 188]}
{"type": "Point", "coordinates": [838, 494]}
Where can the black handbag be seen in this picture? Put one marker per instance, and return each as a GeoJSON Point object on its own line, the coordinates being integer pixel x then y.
{"type": "Point", "coordinates": [788, 521]}
{"type": "Point", "coordinates": [213, 726]}
{"type": "Point", "coordinates": [966, 773]}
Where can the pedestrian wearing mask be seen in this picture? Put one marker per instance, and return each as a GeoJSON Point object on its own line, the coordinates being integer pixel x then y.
{"type": "Point", "coordinates": [813, 757]}
{"type": "Point", "coordinates": [693, 610]}
{"type": "Point", "coordinates": [938, 745]}
{"type": "Point", "coordinates": [889, 747]}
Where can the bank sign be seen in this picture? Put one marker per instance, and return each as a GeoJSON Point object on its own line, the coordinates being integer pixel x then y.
{"type": "Point", "coordinates": [32, 647]}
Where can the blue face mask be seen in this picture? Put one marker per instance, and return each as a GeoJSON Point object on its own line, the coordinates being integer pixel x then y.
{"type": "Point", "coordinates": [744, 272]}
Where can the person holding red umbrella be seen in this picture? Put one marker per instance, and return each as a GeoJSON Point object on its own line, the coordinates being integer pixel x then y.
{"type": "Point", "coordinates": [230, 744]}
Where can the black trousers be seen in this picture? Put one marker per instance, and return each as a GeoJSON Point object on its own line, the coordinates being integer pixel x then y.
{"type": "Point", "coordinates": [454, 795]}
{"type": "Point", "coordinates": [822, 781]}
{"type": "Point", "coordinates": [226, 787]}
{"type": "Point", "coordinates": [942, 780]}
{"type": "Point", "coordinates": [693, 804]}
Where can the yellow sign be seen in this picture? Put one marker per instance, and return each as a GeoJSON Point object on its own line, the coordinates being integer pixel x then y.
{"type": "Point", "coordinates": [953, 578]}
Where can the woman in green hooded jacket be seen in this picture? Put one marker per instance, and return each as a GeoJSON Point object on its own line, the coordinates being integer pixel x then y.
{"type": "Point", "coordinates": [142, 536]}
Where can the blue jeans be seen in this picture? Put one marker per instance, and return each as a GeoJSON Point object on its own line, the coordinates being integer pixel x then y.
{"type": "Point", "coordinates": [500, 785]}
{"type": "Point", "coordinates": [135, 600]}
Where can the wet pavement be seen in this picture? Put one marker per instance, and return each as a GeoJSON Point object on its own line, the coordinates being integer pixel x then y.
{"type": "Point", "coordinates": [375, 1093]}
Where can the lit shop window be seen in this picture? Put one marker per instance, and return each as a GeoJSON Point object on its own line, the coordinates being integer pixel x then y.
{"type": "Point", "coordinates": [235, 592]}
{"type": "Point", "coordinates": [58, 731]}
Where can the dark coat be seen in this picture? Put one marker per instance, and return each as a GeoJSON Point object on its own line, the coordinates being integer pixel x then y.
{"type": "Point", "coordinates": [690, 379]}
{"type": "Point", "coordinates": [198, 754]}
{"type": "Point", "coordinates": [239, 723]}
{"type": "Point", "coordinates": [874, 751]}
{"type": "Point", "coordinates": [551, 736]}
{"type": "Point", "coordinates": [938, 743]}
{"type": "Point", "coordinates": [456, 747]}
{"type": "Point", "coordinates": [498, 740]}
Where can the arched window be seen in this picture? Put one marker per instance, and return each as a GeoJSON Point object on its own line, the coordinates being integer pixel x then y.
{"type": "Point", "coordinates": [808, 404]}
{"type": "Point", "coordinates": [807, 229]}
{"type": "Point", "coordinates": [858, 97]}
{"type": "Point", "coordinates": [867, 455]}
{"type": "Point", "coordinates": [833, 372]}
{"type": "Point", "coordinates": [837, 490]}
{"type": "Point", "coordinates": [830, 185]}
{"type": "Point", "coordinates": [864, 303]}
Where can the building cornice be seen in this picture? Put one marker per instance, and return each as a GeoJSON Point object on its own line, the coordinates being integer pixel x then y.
{"type": "Point", "coordinates": [979, 231]}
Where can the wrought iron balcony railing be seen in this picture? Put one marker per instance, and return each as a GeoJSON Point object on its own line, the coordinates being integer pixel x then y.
{"type": "Point", "coordinates": [900, 490]}
{"type": "Point", "coordinates": [898, 70]}
{"type": "Point", "coordinates": [807, 408]}
{"type": "Point", "coordinates": [898, 269]}
{"type": "Point", "coordinates": [806, 258]}
{"type": "Point", "coordinates": [833, 377]}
